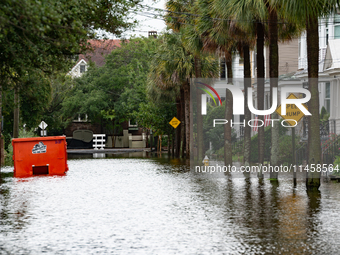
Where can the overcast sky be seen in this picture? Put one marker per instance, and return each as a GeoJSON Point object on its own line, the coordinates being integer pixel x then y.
{"type": "Point", "coordinates": [147, 20]}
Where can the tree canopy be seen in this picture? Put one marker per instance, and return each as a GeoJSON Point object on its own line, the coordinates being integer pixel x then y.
{"type": "Point", "coordinates": [48, 34]}
{"type": "Point", "coordinates": [119, 85]}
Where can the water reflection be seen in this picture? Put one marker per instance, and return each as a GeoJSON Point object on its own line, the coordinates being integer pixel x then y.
{"type": "Point", "coordinates": [99, 155]}
{"type": "Point", "coordinates": [157, 206]}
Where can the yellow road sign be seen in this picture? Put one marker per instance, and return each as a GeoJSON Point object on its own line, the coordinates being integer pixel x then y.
{"type": "Point", "coordinates": [292, 112]}
{"type": "Point", "coordinates": [174, 122]}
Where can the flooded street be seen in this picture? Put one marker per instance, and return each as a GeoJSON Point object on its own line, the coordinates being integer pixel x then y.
{"type": "Point", "coordinates": [157, 206]}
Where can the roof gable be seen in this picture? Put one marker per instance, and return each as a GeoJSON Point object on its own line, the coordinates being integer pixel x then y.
{"type": "Point", "coordinates": [100, 48]}
{"type": "Point", "coordinates": [332, 53]}
{"type": "Point", "coordinates": [80, 61]}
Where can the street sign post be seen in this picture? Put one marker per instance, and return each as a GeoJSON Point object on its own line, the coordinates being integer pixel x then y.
{"type": "Point", "coordinates": [292, 113]}
{"type": "Point", "coordinates": [43, 125]}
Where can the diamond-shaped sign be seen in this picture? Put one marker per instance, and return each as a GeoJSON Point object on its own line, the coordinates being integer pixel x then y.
{"type": "Point", "coordinates": [174, 122]}
{"type": "Point", "coordinates": [43, 125]}
{"type": "Point", "coordinates": [292, 112]}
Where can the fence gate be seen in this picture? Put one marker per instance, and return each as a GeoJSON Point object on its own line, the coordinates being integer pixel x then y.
{"type": "Point", "coordinates": [99, 141]}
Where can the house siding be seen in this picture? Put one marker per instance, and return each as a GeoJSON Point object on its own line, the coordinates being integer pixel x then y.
{"type": "Point", "coordinates": [288, 57]}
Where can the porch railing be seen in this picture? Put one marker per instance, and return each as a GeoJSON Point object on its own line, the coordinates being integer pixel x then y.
{"type": "Point", "coordinates": [330, 149]}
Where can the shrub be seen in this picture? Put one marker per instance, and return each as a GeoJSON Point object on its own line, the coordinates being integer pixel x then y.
{"type": "Point", "coordinates": [285, 146]}
{"type": "Point", "coordinates": [336, 164]}
{"type": "Point", "coordinates": [23, 133]}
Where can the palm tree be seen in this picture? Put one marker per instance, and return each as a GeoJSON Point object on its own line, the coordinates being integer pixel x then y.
{"type": "Point", "coordinates": [284, 32]}
{"type": "Point", "coordinates": [176, 19]}
{"type": "Point", "coordinates": [246, 38]}
{"type": "Point", "coordinates": [263, 12]}
{"type": "Point", "coordinates": [273, 74]}
{"type": "Point", "coordinates": [214, 33]}
{"type": "Point", "coordinates": [307, 12]}
{"type": "Point", "coordinates": [1, 137]}
{"type": "Point", "coordinates": [181, 20]}
{"type": "Point", "coordinates": [172, 68]}
{"type": "Point", "coordinates": [193, 43]}
{"type": "Point", "coordinates": [243, 12]}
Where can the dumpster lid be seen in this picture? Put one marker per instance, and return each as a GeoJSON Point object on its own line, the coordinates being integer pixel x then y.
{"type": "Point", "coordinates": [32, 139]}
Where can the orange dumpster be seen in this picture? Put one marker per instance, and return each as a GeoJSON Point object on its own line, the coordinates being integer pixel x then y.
{"type": "Point", "coordinates": [39, 156]}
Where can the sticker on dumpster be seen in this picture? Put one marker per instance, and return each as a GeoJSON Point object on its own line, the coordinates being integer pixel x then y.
{"type": "Point", "coordinates": [39, 148]}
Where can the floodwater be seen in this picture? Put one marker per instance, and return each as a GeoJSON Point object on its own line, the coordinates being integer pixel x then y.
{"type": "Point", "coordinates": [156, 206]}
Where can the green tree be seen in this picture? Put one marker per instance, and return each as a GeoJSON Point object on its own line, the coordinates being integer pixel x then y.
{"type": "Point", "coordinates": [173, 66]}
{"type": "Point", "coordinates": [115, 89]}
{"type": "Point", "coordinates": [46, 35]}
{"type": "Point", "coordinates": [31, 101]}
{"type": "Point", "coordinates": [215, 135]}
{"type": "Point", "coordinates": [60, 86]}
{"type": "Point", "coordinates": [155, 116]}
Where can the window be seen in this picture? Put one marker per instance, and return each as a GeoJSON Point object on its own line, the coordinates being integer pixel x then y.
{"type": "Point", "coordinates": [80, 118]}
{"type": "Point", "coordinates": [132, 123]}
{"type": "Point", "coordinates": [336, 26]}
{"type": "Point", "coordinates": [328, 97]}
{"type": "Point", "coordinates": [82, 68]}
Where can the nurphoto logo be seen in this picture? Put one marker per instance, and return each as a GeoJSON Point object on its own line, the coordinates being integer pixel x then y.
{"type": "Point", "coordinates": [238, 104]}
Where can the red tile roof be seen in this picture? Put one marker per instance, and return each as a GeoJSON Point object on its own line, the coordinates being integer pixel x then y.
{"type": "Point", "coordinates": [100, 48]}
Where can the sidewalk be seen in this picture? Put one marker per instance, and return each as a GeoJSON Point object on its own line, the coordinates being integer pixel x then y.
{"type": "Point", "coordinates": [107, 150]}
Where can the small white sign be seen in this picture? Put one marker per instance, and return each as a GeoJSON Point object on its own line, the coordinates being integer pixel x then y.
{"type": "Point", "coordinates": [43, 125]}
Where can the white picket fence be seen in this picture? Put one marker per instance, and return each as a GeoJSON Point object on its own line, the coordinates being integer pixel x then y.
{"type": "Point", "coordinates": [99, 141]}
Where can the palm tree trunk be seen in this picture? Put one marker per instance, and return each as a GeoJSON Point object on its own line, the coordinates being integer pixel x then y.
{"type": "Point", "coordinates": [160, 145]}
{"type": "Point", "coordinates": [273, 74]}
{"type": "Point", "coordinates": [16, 114]}
{"type": "Point", "coordinates": [173, 144]}
{"type": "Point", "coordinates": [200, 144]}
{"type": "Point", "coordinates": [186, 87]}
{"type": "Point", "coordinates": [178, 129]}
{"type": "Point", "coordinates": [314, 145]}
{"type": "Point", "coordinates": [247, 114]}
{"type": "Point", "coordinates": [260, 87]}
{"type": "Point", "coordinates": [228, 154]}
{"type": "Point", "coordinates": [183, 140]}
{"type": "Point", "coordinates": [169, 144]}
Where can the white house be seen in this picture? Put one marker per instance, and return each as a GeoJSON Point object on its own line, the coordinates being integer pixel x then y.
{"type": "Point", "coordinates": [100, 48]}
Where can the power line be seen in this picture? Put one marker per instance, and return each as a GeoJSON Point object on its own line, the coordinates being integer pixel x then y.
{"type": "Point", "coordinates": [321, 20]}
